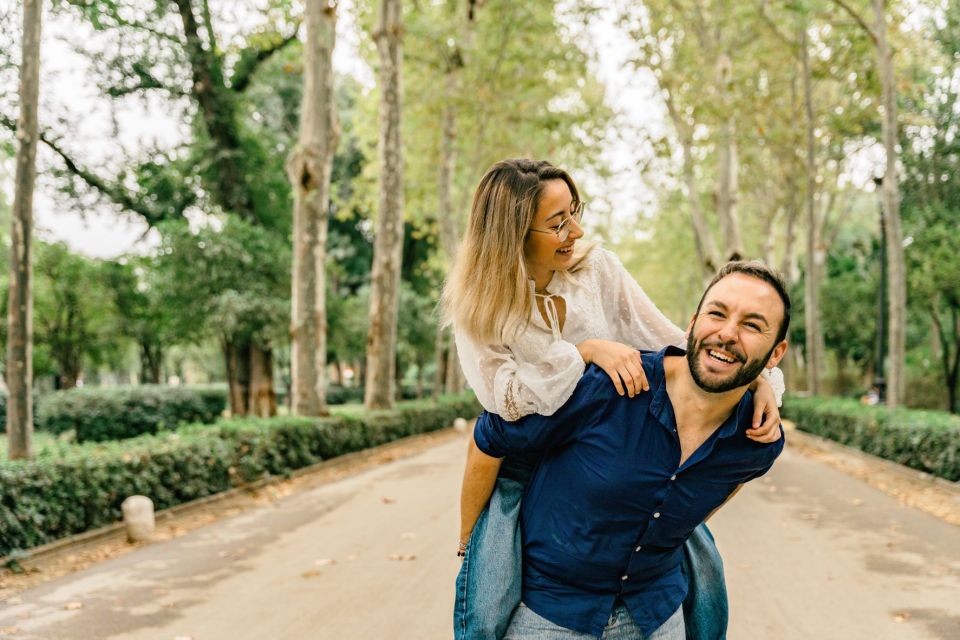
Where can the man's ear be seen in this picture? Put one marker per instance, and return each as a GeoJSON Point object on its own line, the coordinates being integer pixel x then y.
{"type": "Point", "coordinates": [777, 355]}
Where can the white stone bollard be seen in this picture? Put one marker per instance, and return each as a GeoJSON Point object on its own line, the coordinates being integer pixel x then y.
{"type": "Point", "coordinates": [138, 516]}
{"type": "Point", "coordinates": [460, 425]}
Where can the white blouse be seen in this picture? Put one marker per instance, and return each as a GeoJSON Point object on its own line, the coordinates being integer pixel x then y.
{"type": "Point", "coordinates": [538, 372]}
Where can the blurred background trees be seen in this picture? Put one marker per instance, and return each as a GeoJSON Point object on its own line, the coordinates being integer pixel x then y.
{"type": "Point", "coordinates": [761, 135]}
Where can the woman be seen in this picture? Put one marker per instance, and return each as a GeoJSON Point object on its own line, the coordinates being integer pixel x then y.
{"type": "Point", "coordinates": [531, 309]}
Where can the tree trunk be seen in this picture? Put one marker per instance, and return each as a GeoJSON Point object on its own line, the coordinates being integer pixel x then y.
{"type": "Point", "coordinates": [949, 352]}
{"type": "Point", "coordinates": [727, 182]}
{"type": "Point", "coordinates": [237, 357]}
{"type": "Point", "coordinates": [896, 268]}
{"type": "Point", "coordinates": [703, 239]}
{"type": "Point", "coordinates": [263, 400]}
{"type": "Point", "coordinates": [440, 357]}
{"type": "Point", "coordinates": [814, 331]}
{"type": "Point", "coordinates": [388, 247]}
{"type": "Point", "coordinates": [309, 168]}
{"type": "Point", "coordinates": [20, 303]}
{"type": "Point", "coordinates": [150, 358]}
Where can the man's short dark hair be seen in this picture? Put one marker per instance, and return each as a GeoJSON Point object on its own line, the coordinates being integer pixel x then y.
{"type": "Point", "coordinates": [756, 269]}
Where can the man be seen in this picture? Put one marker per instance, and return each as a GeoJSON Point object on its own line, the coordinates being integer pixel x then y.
{"type": "Point", "coordinates": [623, 482]}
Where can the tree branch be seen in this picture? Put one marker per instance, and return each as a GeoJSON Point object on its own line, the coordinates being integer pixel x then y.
{"type": "Point", "coordinates": [113, 192]}
{"type": "Point", "coordinates": [856, 16]}
{"type": "Point", "coordinates": [251, 59]}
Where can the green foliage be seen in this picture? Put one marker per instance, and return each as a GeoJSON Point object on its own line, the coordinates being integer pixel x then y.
{"type": "Point", "coordinates": [52, 497]}
{"type": "Point", "coordinates": [924, 440]}
{"type": "Point", "coordinates": [148, 317]}
{"type": "Point", "coordinates": [75, 320]}
{"type": "Point", "coordinates": [98, 415]}
{"type": "Point", "coordinates": [227, 278]}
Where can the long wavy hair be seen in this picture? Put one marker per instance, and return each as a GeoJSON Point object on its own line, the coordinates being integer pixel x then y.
{"type": "Point", "coordinates": [487, 292]}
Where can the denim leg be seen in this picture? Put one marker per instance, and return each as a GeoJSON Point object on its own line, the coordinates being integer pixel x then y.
{"type": "Point", "coordinates": [490, 579]}
{"type": "Point", "coordinates": [706, 609]}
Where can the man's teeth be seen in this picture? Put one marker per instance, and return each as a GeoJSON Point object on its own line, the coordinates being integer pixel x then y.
{"type": "Point", "coordinates": [721, 358]}
{"type": "Point", "coordinates": [567, 250]}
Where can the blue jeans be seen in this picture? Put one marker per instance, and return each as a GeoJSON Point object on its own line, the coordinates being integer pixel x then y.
{"type": "Point", "coordinates": [489, 584]}
{"type": "Point", "coordinates": [527, 625]}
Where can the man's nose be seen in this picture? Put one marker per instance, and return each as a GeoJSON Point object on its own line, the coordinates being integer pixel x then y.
{"type": "Point", "coordinates": [728, 332]}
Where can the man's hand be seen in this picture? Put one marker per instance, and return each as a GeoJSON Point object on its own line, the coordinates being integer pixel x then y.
{"type": "Point", "coordinates": [621, 362]}
{"type": "Point", "coordinates": [766, 415]}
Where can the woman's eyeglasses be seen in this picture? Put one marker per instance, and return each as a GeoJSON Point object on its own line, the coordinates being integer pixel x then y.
{"type": "Point", "coordinates": [562, 230]}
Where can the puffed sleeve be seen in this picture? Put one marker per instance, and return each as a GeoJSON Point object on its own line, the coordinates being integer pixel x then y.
{"type": "Point", "coordinates": [633, 317]}
{"type": "Point", "coordinates": [513, 389]}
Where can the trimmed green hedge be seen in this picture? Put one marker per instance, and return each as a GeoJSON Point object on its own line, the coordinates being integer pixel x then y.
{"type": "Point", "coordinates": [924, 440]}
{"type": "Point", "coordinates": [101, 414]}
{"type": "Point", "coordinates": [45, 499]}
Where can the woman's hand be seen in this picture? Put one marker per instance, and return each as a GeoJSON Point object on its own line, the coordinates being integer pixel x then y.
{"type": "Point", "coordinates": [620, 362]}
{"type": "Point", "coordinates": [766, 415]}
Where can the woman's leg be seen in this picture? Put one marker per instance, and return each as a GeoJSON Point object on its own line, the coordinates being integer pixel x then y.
{"type": "Point", "coordinates": [490, 578]}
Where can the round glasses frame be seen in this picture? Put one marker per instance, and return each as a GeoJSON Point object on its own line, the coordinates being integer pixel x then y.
{"type": "Point", "coordinates": [562, 231]}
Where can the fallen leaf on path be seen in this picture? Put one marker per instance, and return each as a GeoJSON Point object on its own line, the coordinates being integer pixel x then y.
{"type": "Point", "coordinates": [351, 557]}
{"type": "Point", "coordinates": [857, 502]}
{"type": "Point", "coordinates": [15, 600]}
{"type": "Point", "coordinates": [312, 573]}
{"type": "Point", "coordinates": [772, 489]}
{"type": "Point", "coordinates": [387, 500]}
{"type": "Point", "coordinates": [325, 562]}
{"type": "Point", "coordinates": [901, 616]}
{"type": "Point", "coordinates": [9, 630]}
{"type": "Point", "coordinates": [403, 557]}
{"type": "Point", "coordinates": [73, 606]}
{"type": "Point", "coordinates": [810, 516]}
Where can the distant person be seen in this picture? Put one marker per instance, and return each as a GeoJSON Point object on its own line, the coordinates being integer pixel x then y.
{"type": "Point", "coordinates": [531, 309]}
{"type": "Point", "coordinates": [622, 483]}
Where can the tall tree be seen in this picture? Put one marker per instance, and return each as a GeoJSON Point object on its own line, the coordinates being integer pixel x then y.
{"type": "Point", "coordinates": [309, 167]}
{"type": "Point", "coordinates": [890, 193]}
{"type": "Point", "coordinates": [20, 304]}
{"type": "Point", "coordinates": [815, 254]}
{"type": "Point", "coordinates": [388, 247]}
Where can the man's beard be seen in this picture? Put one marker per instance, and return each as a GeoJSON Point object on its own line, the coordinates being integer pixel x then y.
{"type": "Point", "coordinates": [748, 372]}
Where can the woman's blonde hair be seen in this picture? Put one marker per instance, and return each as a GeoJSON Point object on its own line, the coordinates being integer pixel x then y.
{"type": "Point", "coordinates": [487, 292]}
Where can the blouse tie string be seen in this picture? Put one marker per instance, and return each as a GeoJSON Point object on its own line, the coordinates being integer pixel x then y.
{"type": "Point", "coordinates": [552, 314]}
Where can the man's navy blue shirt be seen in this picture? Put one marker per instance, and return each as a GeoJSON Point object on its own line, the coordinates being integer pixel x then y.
{"type": "Point", "coordinates": [608, 509]}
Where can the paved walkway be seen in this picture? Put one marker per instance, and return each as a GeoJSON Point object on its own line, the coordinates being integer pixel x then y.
{"type": "Point", "coordinates": [810, 552]}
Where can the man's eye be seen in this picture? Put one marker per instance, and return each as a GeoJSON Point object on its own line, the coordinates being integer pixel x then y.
{"type": "Point", "coordinates": [715, 314]}
{"type": "Point", "coordinates": [753, 327]}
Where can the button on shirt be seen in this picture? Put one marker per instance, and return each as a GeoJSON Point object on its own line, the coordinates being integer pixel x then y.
{"type": "Point", "coordinates": [608, 509]}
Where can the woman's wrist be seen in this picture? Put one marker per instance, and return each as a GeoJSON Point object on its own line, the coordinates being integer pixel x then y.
{"type": "Point", "coordinates": [586, 351]}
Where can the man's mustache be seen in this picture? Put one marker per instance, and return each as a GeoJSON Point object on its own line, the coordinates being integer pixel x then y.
{"type": "Point", "coordinates": [727, 347]}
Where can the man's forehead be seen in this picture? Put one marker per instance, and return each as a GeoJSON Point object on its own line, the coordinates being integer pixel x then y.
{"type": "Point", "coordinates": [746, 293]}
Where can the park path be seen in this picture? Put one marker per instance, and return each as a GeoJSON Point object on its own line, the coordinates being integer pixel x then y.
{"type": "Point", "coordinates": [810, 553]}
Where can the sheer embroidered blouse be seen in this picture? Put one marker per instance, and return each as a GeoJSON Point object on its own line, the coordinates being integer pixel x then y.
{"type": "Point", "coordinates": [538, 372]}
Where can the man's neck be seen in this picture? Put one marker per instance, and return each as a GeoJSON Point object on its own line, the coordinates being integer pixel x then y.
{"type": "Point", "coordinates": [695, 408]}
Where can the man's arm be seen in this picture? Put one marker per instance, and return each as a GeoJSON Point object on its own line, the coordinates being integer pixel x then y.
{"type": "Point", "coordinates": [479, 478]}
